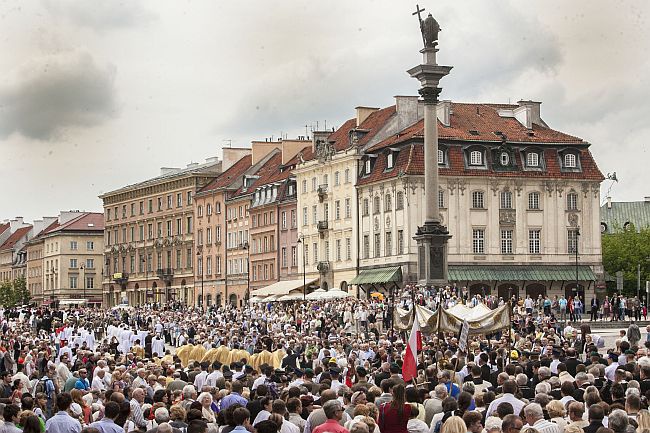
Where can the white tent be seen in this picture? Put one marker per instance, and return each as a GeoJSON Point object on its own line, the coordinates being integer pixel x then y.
{"type": "Point", "coordinates": [336, 294]}
{"type": "Point", "coordinates": [270, 298]}
{"type": "Point", "coordinates": [255, 300]}
{"type": "Point", "coordinates": [293, 296]}
{"type": "Point", "coordinates": [316, 295]}
{"type": "Point", "coordinates": [282, 287]}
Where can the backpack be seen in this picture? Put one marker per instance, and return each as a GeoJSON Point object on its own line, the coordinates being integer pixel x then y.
{"type": "Point", "coordinates": [41, 386]}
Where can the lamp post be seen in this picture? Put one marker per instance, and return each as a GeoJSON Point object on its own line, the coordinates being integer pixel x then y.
{"type": "Point", "coordinates": [577, 276]}
{"type": "Point", "coordinates": [198, 254]}
{"type": "Point", "coordinates": [246, 246]}
{"type": "Point", "coordinates": [301, 240]}
{"type": "Point", "coordinates": [146, 276]}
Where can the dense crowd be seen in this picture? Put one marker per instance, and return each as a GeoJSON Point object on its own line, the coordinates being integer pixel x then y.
{"type": "Point", "coordinates": [326, 366]}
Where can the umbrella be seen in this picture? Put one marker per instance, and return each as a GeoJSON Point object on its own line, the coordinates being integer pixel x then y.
{"type": "Point", "coordinates": [270, 298]}
{"type": "Point", "coordinates": [294, 296]}
{"type": "Point", "coordinates": [336, 294]}
{"type": "Point", "coordinates": [316, 295]}
{"type": "Point", "coordinates": [255, 300]}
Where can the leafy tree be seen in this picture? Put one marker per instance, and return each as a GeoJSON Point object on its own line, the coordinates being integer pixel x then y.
{"type": "Point", "coordinates": [624, 250]}
{"type": "Point", "coordinates": [13, 293]}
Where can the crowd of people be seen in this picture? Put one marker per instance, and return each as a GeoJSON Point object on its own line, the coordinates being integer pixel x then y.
{"type": "Point", "coordinates": [326, 366]}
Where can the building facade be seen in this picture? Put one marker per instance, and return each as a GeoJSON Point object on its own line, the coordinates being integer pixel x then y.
{"type": "Point", "coordinates": [149, 253]}
{"type": "Point", "coordinates": [71, 255]}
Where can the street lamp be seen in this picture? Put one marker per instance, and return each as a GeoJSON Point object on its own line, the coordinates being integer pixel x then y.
{"type": "Point", "coordinates": [576, 249]}
{"type": "Point", "coordinates": [301, 240]}
{"type": "Point", "coordinates": [198, 254]}
{"type": "Point", "coordinates": [146, 277]}
{"type": "Point", "coordinates": [246, 246]}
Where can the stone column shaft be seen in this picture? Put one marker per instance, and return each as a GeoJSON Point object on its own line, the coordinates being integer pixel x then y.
{"type": "Point", "coordinates": [432, 211]}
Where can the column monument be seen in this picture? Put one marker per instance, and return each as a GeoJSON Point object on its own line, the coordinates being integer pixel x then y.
{"type": "Point", "coordinates": [432, 236]}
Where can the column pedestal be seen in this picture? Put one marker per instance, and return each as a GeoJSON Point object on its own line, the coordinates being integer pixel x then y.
{"type": "Point", "coordinates": [432, 240]}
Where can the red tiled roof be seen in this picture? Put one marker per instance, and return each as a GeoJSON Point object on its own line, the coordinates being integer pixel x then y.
{"type": "Point", "coordinates": [269, 172]}
{"type": "Point", "coordinates": [4, 227]}
{"type": "Point", "coordinates": [88, 221]}
{"type": "Point", "coordinates": [228, 176]}
{"type": "Point", "coordinates": [410, 161]}
{"type": "Point", "coordinates": [485, 120]}
{"type": "Point", "coordinates": [15, 237]}
{"type": "Point", "coordinates": [341, 137]}
{"type": "Point", "coordinates": [374, 122]}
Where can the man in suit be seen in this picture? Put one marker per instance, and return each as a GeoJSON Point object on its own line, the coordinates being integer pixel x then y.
{"type": "Point", "coordinates": [571, 361]}
{"type": "Point", "coordinates": [596, 415]}
{"type": "Point", "coordinates": [595, 304]}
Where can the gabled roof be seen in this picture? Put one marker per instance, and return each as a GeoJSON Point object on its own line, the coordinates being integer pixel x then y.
{"type": "Point", "coordinates": [87, 221]}
{"type": "Point", "coordinates": [15, 237]}
{"type": "Point", "coordinates": [4, 227]}
{"type": "Point", "coordinates": [269, 172]}
{"type": "Point", "coordinates": [229, 176]}
{"type": "Point", "coordinates": [617, 214]}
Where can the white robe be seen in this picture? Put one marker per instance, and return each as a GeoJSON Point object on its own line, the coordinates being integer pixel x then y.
{"type": "Point", "coordinates": [158, 346]}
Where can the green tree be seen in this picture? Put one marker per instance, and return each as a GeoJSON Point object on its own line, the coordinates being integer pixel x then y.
{"type": "Point", "coordinates": [624, 250]}
{"type": "Point", "coordinates": [6, 294]}
{"type": "Point", "coordinates": [21, 293]}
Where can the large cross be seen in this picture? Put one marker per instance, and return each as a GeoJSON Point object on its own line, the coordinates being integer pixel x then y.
{"type": "Point", "coordinates": [417, 11]}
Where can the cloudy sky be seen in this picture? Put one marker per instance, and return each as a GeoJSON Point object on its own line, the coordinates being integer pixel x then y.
{"type": "Point", "coordinates": [98, 94]}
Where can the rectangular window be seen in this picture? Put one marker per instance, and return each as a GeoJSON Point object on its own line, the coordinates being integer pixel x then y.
{"type": "Point", "coordinates": [218, 234]}
{"type": "Point", "coordinates": [169, 201]}
{"type": "Point", "coordinates": [188, 258]}
{"type": "Point", "coordinates": [337, 179]}
{"type": "Point", "coordinates": [572, 201]}
{"type": "Point", "coordinates": [441, 199]}
{"type": "Point", "coordinates": [294, 256]}
{"type": "Point", "coordinates": [284, 257]}
{"type": "Point", "coordinates": [338, 249]}
{"type": "Point", "coordinates": [534, 241]}
{"type": "Point", "coordinates": [326, 211]}
{"type": "Point", "coordinates": [284, 220]}
{"type": "Point", "coordinates": [306, 256]}
{"type": "Point", "coordinates": [478, 241]}
{"type": "Point", "coordinates": [160, 230]}
{"type": "Point", "coordinates": [366, 246]}
{"type": "Point", "coordinates": [90, 263]}
{"type": "Point", "coordinates": [73, 281]}
{"type": "Point", "coordinates": [179, 199]}
{"type": "Point", "coordinates": [189, 197]}
{"type": "Point", "coordinates": [304, 186]}
{"type": "Point", "coordinates": [366, 207]}
{"type": "Point", "coordinates": [506, 241]}
{"type": "Point", "coordinates": [179, 259]}
{"type": "Point", "coordinates": [149, 231]}
{"type": "Point", "coordinates": [90, 245]}
{"type": "Point", "coordinates": [347, 175]}
{"type": "Point", "coordinates": [337, 210]}
{"type": "Point", "coordinates": [73, 263]}
{"type": "Point", "coordinates": [313, 184]}
{"type": "Point", "coordinates": [108, 214]}
{"type": "Point", "coordinates": [533, 200]}
{"type": "Point", "coordinates": [400, 242]}
{"type": "Point", "coordinates": [159, 204]}
{"type": "Point", "coordinates": [124, 211]}
{"type": "Point", "coordinates": [141, 233]}
{"type": "Point", "coordinates": [477, 200]}
{"type": "Point", "coordinates": [314, 211]}
{"type": "Point", "coordinates": [73, 245]}
{"type": "Point", "coordinates": [388, 243]}
{"type": "Point", "coordinates": [506, 200]}
{"type": "Point", "coordinates": [188, 226]}
{"type": "Point", "coordinates": [141, 208]}
{"type": "Point", "coordinates": [304, 216]}
{"type": "Point", "coordinates": [294, 222]}
{"type": "Point", "coordinates": [315, 250]}
{"type": "Point", "coordinates": [208, 235]}
{"type": "Point", "coordinates": [90, 282]}
{"type": "Point", "coordinates": [327, 251]}
{"type": "Point", "coordinates": [132, 264]}
{"type": "Point", "coordinates": [218, 259]}
{"type": "Point", "coordinates": [377, 245]}
{"type": "Point", "coordinates": [132, 233]}
{"type": "Point", "coordinates": [150, 205]}
{"type": "Point", "coordinates": [132, 209]}
{"type": "Point", "coordinates": [572, 241]}
{"type": "Point", "coordinates": [208, 265]}
{"type": "Point", "coordinates": [348, 208]}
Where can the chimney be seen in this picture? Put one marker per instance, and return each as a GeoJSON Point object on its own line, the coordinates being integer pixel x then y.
{"type": "Point", "coordinates": [533, 113]}
{"type": "Point", "coordinates": [443, 111]}
{"type": "Point", "coordinates": [192, 165]}
{"type": "Point", "coordinates": [407, 111]}
{"type": "Point", "coordinates": [609, 202]}
{"type": "Point", "coordinates": [168, 170]}
{"type": "Point", "coordinates": [212, 160]}
{"type": "Point", "coordinates": [233, 154]}
{"type": "Point", "coordinates": [290, 148]}
{"type": "Point", "coordinates": [69, 215]}
{"type": "Point", "coordinates": [17, 223]}
{"type": "Point", "coordinates": [263, 148]}
{"type": "Point", "coordinates": [363, 113]}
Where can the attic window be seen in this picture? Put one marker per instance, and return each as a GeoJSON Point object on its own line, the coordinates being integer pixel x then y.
{"type": "Point", "coordinates": [368, 166]}
{"type": "Point", "coordinates": [531, 134]}
{"type": "Point", "coordinates": [390, 160]}
{"type": "Point", "coordinates": [473, 132]}
{"type": "Point", "coordinates": [498, 133]}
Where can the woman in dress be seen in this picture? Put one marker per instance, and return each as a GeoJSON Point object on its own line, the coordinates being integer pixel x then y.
{"type": "Point", "coordinates": [394, 415]}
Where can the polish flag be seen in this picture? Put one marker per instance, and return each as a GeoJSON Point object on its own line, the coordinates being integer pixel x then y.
{"type": "Point", "coordinates": [409, 367]}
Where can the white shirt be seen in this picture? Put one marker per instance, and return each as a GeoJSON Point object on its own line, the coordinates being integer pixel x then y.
{"type": "Point", "coordinates": [517, 404]}
{"type": "Point", "coordinates": [610, 370]}
{"type": "Point", "coordinates": [199, 380]}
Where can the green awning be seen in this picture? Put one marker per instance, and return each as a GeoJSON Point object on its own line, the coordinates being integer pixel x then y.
{"type": "Point", "coordinates": [377, 276]}
{"type": "Point", "coordinates": [520, 273]}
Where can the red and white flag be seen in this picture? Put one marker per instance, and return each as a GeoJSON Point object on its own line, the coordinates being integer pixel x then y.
{"type": "Point", "coordinates": [409, 367]}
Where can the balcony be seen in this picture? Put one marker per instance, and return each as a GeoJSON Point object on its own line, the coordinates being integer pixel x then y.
{"type": "Point", "coordinates": [165, 273]}
{"type": "Point", "coordinates": [322, 192]}
{"type": "Point", "coordinates": [323, 267]}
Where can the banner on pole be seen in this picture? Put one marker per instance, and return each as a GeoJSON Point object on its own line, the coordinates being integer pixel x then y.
{"type": "Point", "coordinates": [464, 332]}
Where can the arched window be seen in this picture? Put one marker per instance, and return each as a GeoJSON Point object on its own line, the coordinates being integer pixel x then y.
{"type": "Point", "coordinates": [208, 300]}
{"type": "Point", "coordinates": [199, 211]}
{"type": "Point", "coordinates": [400, 201]}
{"type": "Point", "coordinates": [208, 209]}
{"type": "Point", "coordinates": [217, 207]}
{"type": "Point", "coordinates": [572, 201]}
{"type": "Point", "coordinates": [441, 156]}
{"type": "Point", "coordinates": [475, 157]}
{"type": "Point", "coordinates": [477, 200]}
{"type": "Point", "coordinates": [570, 160]}
{"type": "Point", "coordinates": [388, 203]}
{"type": "Point", "coordinates": [533, 200]}
{"type": "Point", "coordinates": [505, 158]}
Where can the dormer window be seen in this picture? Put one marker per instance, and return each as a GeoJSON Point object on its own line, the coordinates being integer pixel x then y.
{"type": "Point", "coordinates": [441, 156]}
{"type": "Point", "coordinates": [368, 166]}
{"type": "Point", "coordinates": [504, 158]}
{"type": "Point", "coordinates": [570, 160]}
{"type": "Point", "coordinates": [532, 159]}
{"type": "Point", "coordinates": [475, 157]}
{"type": "Point", "coordinates": [390, 160]}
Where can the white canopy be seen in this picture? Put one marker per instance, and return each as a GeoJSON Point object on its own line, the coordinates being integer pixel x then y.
{"type": "Point", "coordinates": [335, 294]}
{"type": "Point", "coordinates": [470, 313]}
{"type": "Point", "coordinates": [281, 287]}
{"type": "Point", "coordinates": [293, 296]}
{"type": "Point", "coordinates": [255, 300]}
{"type": "Point", "coordinates": [270, 298]}
{"type": "Point", "coordinates": [72, 302]}
{"type": "Point", "coordinates": [316, 295]}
